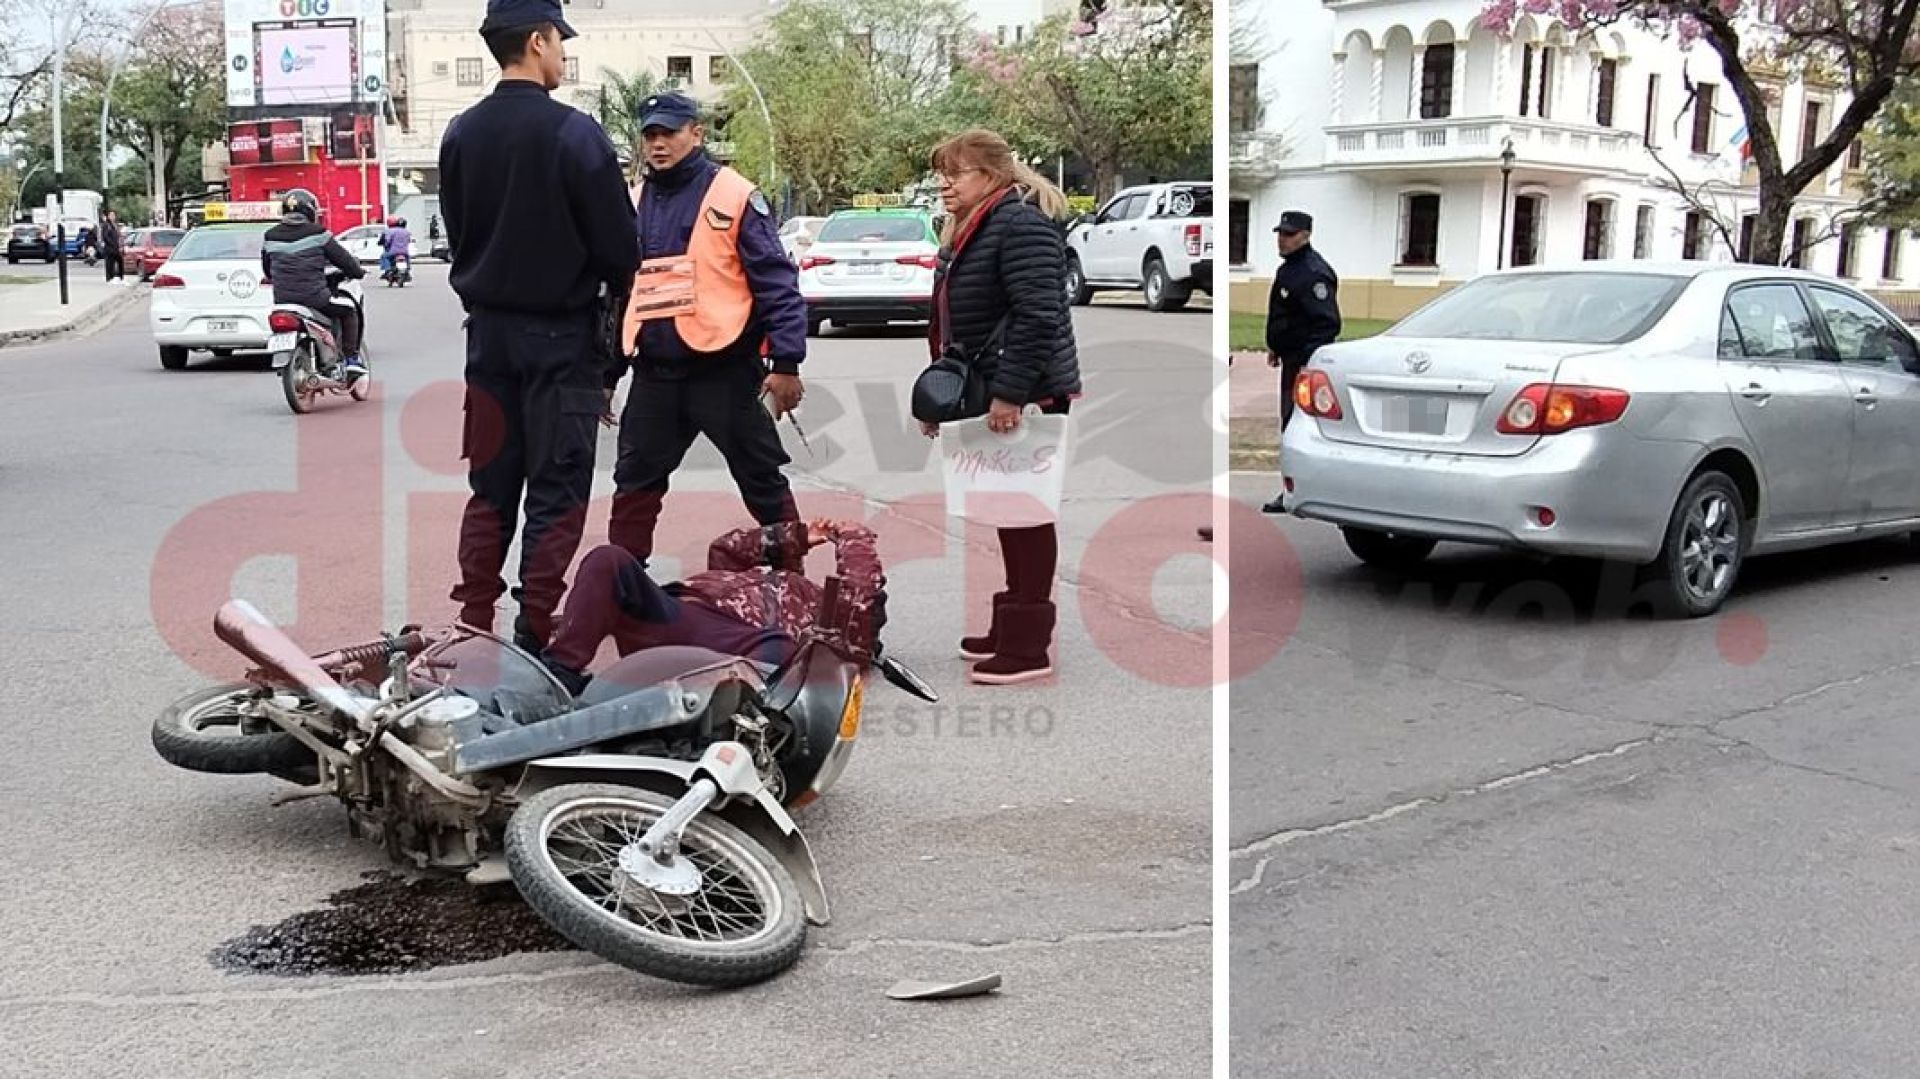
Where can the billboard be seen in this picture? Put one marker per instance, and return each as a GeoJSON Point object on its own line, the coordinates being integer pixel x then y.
{"type": "Point", "coordinates": [288, 55]}
{"type": "Point", "coordinates": [267, 142]}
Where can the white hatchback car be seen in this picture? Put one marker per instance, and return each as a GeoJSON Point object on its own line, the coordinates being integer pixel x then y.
{"type": "Point", "coordinates": [210, 295]}
{"type": "Point", "coordinates": [797, 235]}
{"type": "Point", "coordinates": [870, 266]}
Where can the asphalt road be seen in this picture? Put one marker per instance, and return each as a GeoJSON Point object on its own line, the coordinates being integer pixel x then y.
{"type": "Point", "coordinates": [1061, 840]}
{"type": "Point", "coordinates": [1489, 822]}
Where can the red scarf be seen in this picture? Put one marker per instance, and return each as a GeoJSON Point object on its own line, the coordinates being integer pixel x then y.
{"type": "Point", "coordinates": [936, 325]}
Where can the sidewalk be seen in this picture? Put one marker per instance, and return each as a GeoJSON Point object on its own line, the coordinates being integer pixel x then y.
{"type": "Point", "coordinates": [1253, 413]}
{"type": "Point", "coordinates": [30, 313]}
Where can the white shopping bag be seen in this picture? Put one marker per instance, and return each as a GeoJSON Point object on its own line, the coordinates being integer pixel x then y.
{"type": "Point", "coordinates": [1005, 481]}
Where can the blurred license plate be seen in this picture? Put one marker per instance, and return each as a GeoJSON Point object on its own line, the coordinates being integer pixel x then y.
{"type": "Point", "coordinates": [281, 342]}
{"type": "Point", "coordinates": [864, 269]}
{"type": "Point", "coordinates": [223, 325]}
{"type": "Point", "coordinates": [1414, 415]}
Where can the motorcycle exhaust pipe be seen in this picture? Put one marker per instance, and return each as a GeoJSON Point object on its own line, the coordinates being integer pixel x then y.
{"type": "Point", "coordinates": [244, 629]}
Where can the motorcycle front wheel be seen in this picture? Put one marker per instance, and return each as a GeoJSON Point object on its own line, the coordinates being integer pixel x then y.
{"type": "Point", "coordinates": [743, 925]}
{"type": "Point", "coordinates": [295, 376]}
{"type": "Point", "coordinates": [206, 732]}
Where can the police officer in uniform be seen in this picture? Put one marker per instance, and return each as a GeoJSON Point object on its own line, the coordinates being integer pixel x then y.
{"type": "Point", "coordinates": [1303, 312]}
{"type": "Point", "coordinates": [717, 322]}
{"type": "Point", "coordinates": [541, 229]}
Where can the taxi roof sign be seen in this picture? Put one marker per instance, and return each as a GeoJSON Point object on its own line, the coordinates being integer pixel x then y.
{"type": "Point", "coordinates": [878, 202]}
{"type": "Point", "coordinates": [241, 211]}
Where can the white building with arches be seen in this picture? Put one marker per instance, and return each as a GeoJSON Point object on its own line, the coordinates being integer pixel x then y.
{"type": "Point", "coordinates": [1387, 121]}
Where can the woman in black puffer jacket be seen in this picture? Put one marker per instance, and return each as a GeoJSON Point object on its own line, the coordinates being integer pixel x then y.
{"type": "Point", "coordinates": [999, 297]}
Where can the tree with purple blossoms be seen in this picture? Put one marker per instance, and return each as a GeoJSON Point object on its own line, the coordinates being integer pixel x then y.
{"type": "Point", "coordinates": [1865, 46]}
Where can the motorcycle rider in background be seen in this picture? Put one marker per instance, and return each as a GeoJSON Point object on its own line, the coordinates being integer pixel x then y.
{"type": "Point", "coordinates": [396, 241]}
{"type": "Point", "coordinates": [296, 258]}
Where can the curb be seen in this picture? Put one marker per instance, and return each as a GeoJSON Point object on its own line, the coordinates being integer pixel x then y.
{"type": "Point", "coordinates": [92, 319]}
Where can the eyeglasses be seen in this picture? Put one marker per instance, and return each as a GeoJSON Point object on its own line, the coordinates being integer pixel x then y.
{"type": "Point", "coordinates": [949, 178]}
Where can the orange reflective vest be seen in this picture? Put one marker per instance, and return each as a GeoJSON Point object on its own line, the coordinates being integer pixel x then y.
{"type": "Point", "coordinates": [705, 290]}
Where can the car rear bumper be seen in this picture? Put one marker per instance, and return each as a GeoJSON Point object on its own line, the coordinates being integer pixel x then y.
{"type": "Point", "coordinates": [1202, 277]}
{"type": "Point", "coordinates": [871, 308]}
{"type": "Point", "coordinates": [1611, 493]}
{"type": "Point", "coordinates": [191, 330]}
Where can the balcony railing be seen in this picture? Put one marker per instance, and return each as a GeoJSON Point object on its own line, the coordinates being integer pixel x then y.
{"type": "Point", "coordinates": [1479, 140]}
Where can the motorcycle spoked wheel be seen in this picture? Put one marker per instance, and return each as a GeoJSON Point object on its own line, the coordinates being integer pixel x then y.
{"type": "Point", "coordinates": [204, 732]}
{"type": "Point", "coordinates": [745, 924]}
{"type": "Point", "coordinates": [296, 376]}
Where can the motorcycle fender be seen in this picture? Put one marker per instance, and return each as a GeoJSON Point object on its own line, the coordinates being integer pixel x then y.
{"type": "Point", "coordinates": [766, 820]}
{"type": "Point", "coordinates": [281, 359]}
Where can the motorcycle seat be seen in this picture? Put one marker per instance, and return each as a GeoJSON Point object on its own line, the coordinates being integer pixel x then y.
{"type": "Point", "coordinates": [652, 666]}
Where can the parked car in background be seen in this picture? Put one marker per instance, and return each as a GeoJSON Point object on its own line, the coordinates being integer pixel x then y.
{"type": "Point", "coordinates": [797, 235]}
{"type": "Point", "coordinates": [209, 295]}
{"type": "Point", "coordinates": [148, 249]}
{"type": "Point", "coordinates": [81, 237]}
{"type": "Point", "coordinates": [870, 267]}
{"type": "Point", "coordinates": [1679, 418]}
{"type": "Point", "coordinates": [25, 241]}
{"type": "Point", "coordinates": [1157, 238]}
{"type": "Point", "coordinates": [363, 242]}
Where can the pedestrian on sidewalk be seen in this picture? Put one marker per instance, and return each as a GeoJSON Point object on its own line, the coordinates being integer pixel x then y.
{"type": "Point", "coordinates": [536, 210]}
{"type": "Point", "coordinates": [113, 247]}
{"type": "Point", "coordinates": [716, 322]}
{"type": "Point", "coordinates": [997, 300]}
{"type": "Point", "coordinates": [1303, 313]}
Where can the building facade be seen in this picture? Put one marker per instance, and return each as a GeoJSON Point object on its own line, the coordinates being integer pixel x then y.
{"type": "Point", "coordinates": [440, 67]}
{"type": "Point", "coordinates": [1398, 124]}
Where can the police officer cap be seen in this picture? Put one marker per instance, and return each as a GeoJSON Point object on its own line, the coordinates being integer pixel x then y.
{"type": "Point", "coordinates": [1294, 221]}
{"type": "Point", "coordinates": [513, 14]}
{"type": "Point", "coordinates": [671, 111]}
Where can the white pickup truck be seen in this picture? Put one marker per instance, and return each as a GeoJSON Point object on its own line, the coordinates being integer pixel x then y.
{"type": "Point", "coordinates": [1158, 239]}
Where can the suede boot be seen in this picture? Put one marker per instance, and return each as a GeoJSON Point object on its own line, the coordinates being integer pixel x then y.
{"type": "Point", "coordinates": [975, 649]}
{"type": "Point", "coordinates": [1026, 633]}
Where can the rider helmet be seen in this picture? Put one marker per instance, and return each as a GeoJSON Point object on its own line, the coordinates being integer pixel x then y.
{"type": "Point", "coordinates": [299, 203]}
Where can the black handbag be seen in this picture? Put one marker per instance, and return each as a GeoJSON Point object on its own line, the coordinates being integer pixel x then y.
{"type": "Point", "coordinates": [954, 386]}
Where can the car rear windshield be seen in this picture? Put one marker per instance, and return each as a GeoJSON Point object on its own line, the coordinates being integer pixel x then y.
{"type": "Point", "coordinates": [27, 232]}
{"type": "Point", "coordinates": [1576, 308]}
{"type": "Point", "coordinates": [165, 237]}
{"type": "Point", "coordinates": [872, 230]}
{"type": "Point", "coordinates": [205, 244]}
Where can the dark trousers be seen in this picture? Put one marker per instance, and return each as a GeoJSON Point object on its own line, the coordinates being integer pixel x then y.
{"type": "Point", "coordinates": [534, 398]}
{"type": "Point", "coordinates": [664, 414]}
{"type": "Point", "coordinates": [115, 271]}
{"type": "Point", "coordinates": [612, 596]}
{"type": "Point", "coordinates": [1031, 556]}
{"type": "Point", "coordinates": [1289, 372]}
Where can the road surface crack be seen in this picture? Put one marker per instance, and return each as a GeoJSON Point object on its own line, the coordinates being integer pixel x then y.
{"type": "Point", "coordinates": [1267, 844]}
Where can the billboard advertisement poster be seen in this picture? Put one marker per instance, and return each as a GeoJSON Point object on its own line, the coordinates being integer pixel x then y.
{"type": "Point", "coordinates": [267, 142]}
{"type": "Point", "coordinates": [289, 54]}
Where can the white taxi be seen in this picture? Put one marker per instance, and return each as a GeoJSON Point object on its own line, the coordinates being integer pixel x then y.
{"type": "Point", "coordinates": [210, 294]}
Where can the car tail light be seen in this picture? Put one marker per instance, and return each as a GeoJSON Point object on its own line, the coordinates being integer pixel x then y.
{"type": "Point", "coordinates": [283, 322]}
{"type": "Point", "coordinates": [808, 262]}
{"type": "Point", "coordinates": [1193, 241]}
{"type": "Point", "coordinates": [167, 280]}
{"type": "Point", "coordinates": [1547, 409]}
{"type": "Point", "coordinates": [925, 262]}
{"type": "Point", "coordinates": [1313, 394]}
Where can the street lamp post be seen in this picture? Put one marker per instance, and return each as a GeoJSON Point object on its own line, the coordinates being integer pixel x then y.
{"type": "Point", "coordinates": [773, 166]}
{"type": "Point", "coordinates": [1506, 173]}
{"type": "Point", "coordinates": [19, 196]}
{"type": "Point", "coordinates": [106, 98]}
{"type": "Point", "coordinates": [61, 24]}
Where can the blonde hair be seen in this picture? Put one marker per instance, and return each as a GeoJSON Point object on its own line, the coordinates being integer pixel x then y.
{"type": "Point", "coordinates": [987, 151]}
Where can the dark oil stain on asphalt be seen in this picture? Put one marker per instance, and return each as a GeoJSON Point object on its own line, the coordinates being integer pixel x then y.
{"type": "Point", "coordinates": [393, 925]}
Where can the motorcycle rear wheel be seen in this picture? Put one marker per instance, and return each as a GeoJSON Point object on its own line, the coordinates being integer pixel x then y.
{"type": "Point", "coordinates": [294, 376]}
{"type": "Point", "coordinates": [185, 737]}
{"type": "Point", "coordinates": [745, 924]}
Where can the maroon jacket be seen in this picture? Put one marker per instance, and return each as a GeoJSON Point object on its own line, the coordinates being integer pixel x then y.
{"type": "Point", "coordinates": [758, 576]}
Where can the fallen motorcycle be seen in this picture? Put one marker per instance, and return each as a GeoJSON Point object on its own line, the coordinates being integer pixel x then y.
{"type": "Point", "coordinates": [306, 351]}
{"type": "Point", "coordinates": [646, 821]}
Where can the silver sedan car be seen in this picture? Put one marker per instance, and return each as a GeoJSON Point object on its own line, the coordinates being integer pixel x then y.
{"type": "Point", "coordinates": [1677, 417]}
